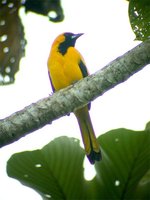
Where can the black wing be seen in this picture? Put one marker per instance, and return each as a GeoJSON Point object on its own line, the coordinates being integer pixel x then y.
{"type": "Point", "coordinates": [83, 68]}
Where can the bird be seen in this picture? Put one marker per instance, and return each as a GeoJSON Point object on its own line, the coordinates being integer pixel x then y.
{"type": "Point", "coordinates": [66, 66]}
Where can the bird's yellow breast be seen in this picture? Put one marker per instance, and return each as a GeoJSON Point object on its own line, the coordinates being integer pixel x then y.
{"type": "Point", "coordinates": [64, 69]}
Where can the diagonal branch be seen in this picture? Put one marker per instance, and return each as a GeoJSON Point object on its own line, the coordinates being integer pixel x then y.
{"type": "Point", "coordinates": [46, 110]}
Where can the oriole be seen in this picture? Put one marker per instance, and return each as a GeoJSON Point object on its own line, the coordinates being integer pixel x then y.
{"type": "Point", "coordinates": [66, 66]}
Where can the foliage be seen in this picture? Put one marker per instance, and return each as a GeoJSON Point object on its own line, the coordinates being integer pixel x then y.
{"type": "Point", "coordinates": [56, 171]}
{"type": "Point", "coordinates": [12, 41]}
{"type": "Point", "coordinates": [139, 14]}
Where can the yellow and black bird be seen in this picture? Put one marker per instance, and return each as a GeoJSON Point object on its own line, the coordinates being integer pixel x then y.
{"type": "Point", "coordinates": [66, 66]}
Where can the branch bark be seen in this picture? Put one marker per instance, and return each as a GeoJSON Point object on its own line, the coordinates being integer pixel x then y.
{"type": "Point", "coordinates": [46, 110]}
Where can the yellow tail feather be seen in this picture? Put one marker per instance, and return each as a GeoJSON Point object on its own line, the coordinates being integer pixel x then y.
{"type": "Point", "coordinates": [88, 136]}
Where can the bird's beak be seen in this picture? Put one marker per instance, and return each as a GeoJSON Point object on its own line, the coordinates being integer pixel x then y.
{"type": "Point", "coordinates": [76, 36]}
{"type": "Point", "coordinates": [79, 34]}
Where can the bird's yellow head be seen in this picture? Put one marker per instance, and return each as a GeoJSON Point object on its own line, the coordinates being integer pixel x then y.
{"type": "Point", "coordinates": [65, 40]}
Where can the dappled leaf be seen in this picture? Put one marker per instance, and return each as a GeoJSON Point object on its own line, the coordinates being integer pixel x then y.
{"type": "Point", "coordinates": [50, 8]}
{"type": "Point", "coordinates": [12, 42]}
{"type": "Point", "coordinates": [56, 170]}
{"type": "Point", "coordinates": [139, 14]}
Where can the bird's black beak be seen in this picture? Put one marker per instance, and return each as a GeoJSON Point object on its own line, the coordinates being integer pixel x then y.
{"type": "Point", "coordinates": [76, 36]}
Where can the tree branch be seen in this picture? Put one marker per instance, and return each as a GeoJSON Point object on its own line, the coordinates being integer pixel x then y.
{"type": "Point", "coordinates": [46, 110]}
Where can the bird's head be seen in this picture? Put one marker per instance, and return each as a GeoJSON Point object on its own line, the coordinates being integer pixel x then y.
{"type": "Point", "coordinates": [66, 40]}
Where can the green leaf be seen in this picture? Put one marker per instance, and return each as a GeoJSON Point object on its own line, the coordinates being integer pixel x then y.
{"type": "Point", "coordinates": [139, 14]}
{"type": "Point", "coordinates": [56, 170]}
{"type": "Point", "coordinates": [126, 160]}
{"type": "Point", "coordinates": [53, 171]}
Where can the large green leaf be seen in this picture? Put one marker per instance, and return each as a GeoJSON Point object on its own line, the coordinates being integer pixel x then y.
{"type": "Point", "coordinates": [53, 171]}
{"type": "Point", "coordinates": [126, 161]}
{"type": "Point", "coordinates": [139, 14]}
{"type": "Point", "coordinates": [56, 170]}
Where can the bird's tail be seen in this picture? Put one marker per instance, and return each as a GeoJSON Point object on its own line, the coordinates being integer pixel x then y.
{"type": "Point", "coordinates": [89, 139]}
